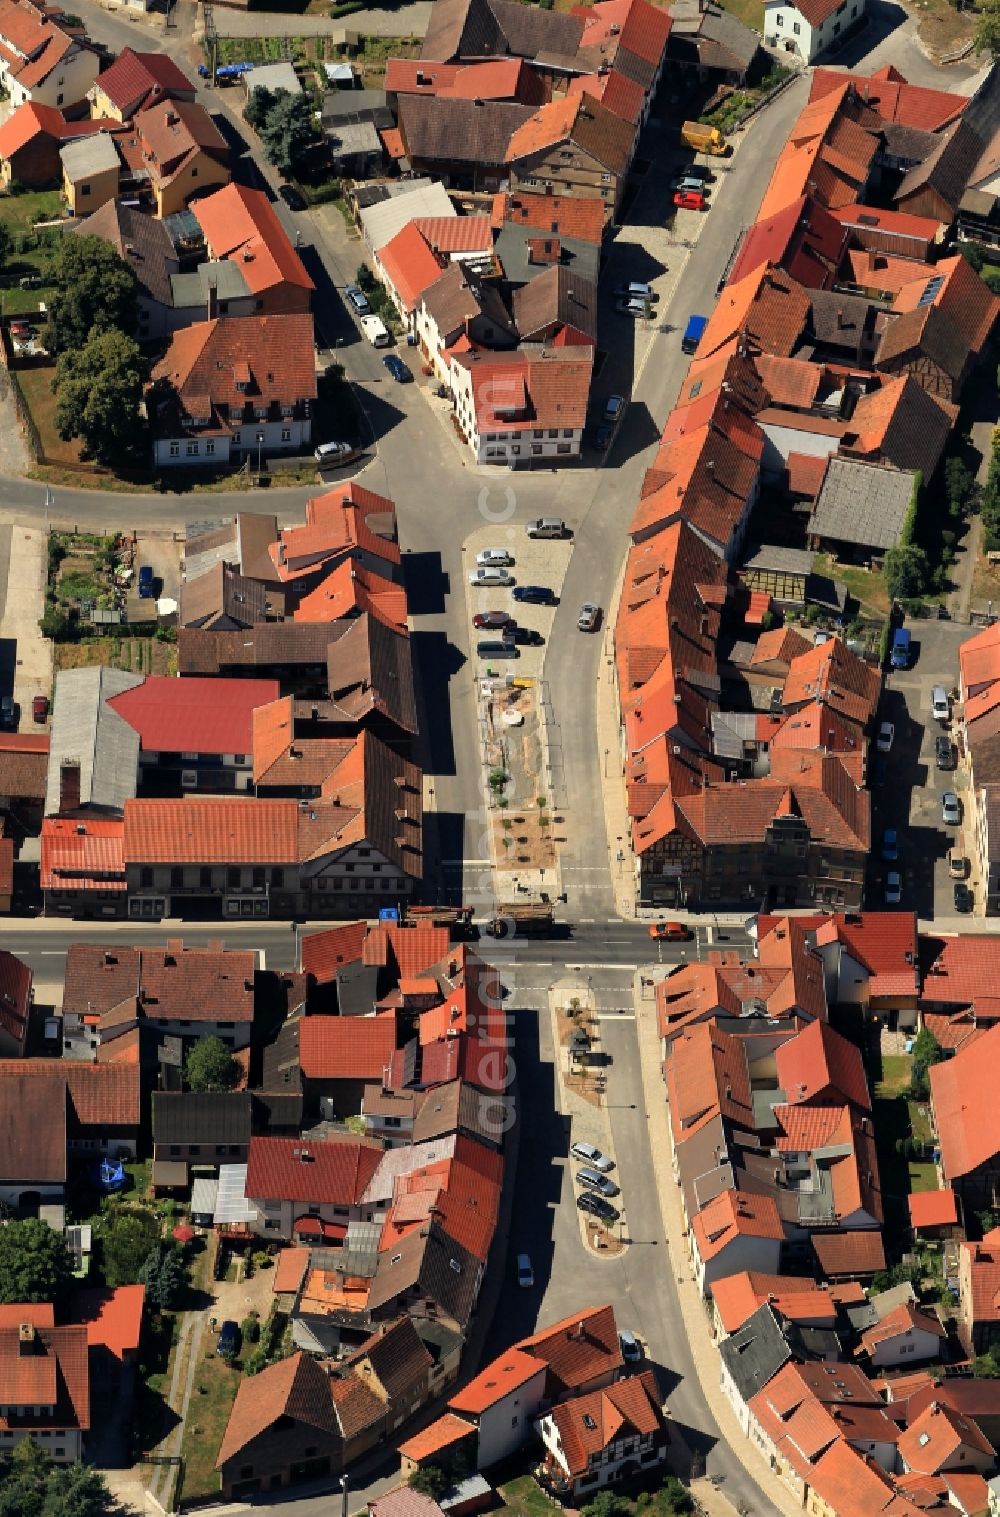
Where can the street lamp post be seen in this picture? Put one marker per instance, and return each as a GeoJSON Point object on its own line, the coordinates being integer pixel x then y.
{"type": "Point", "coordinates": [260, 446]}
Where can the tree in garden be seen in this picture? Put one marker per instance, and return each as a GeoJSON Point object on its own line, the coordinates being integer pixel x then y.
{"type": "Point", "coordinates": [959, 485]}
{"type": "Point", "coordinates": [906, 572]}
{"type": "Point", "coordinates": [987, 34]}
{"type": "Point", "coordinates": [288, 131]}
{"type": "Point", "coordinates": [32, 1486]}
{"type": "Point", "coordinates": [34, 1263]}
{"type": "Point", "coordinates": [429, 1480]}
{"type": "Point", "coordinates": [98, 393]}
{"type": "Point", "coordinates": [94, 288]}
{"type": "Point", "coordinates": [259, 106]}
{"type": "Point", "coordinates": [606, 1504]}
{"type": "Point", "coordinates": [926, 1051]}
{"type": "Point", "coordinates": [210, 1066]}
{"type": "Point", "coordinates": [164, 1277]}
{"type": "Point", "coordinates": [128, 1238]}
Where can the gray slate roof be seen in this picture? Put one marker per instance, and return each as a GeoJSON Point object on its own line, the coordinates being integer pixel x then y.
{"type": "Point", "coordinates": [86, 730]}
{"type": "Point", "coordinates": [861, 503]}
{"type": "Point", "coordinates": [192, 289]}
{"type": "Point", "coordinates": [208, 1117]}
{"type": "Point", "coordinates": [755, 1353]}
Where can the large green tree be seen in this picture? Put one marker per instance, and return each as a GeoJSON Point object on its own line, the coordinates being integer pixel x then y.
{"type": "Point", "coordinates": [94, 288]}
{"type": "Point", "coordinates": [210, 1066]}
{"type": "Point", "coordinates": [99, 391]}
{"type": "Point", "coordinates": [164, 1277]}
{"type": "Point", "coordinates": [906, 572]}
{"type": "Point", "coordinates": [128, 1238]}
{"type": "Point", "coordinates": [288, 131]}
{"type": "Point", "coordinates": [34, 1263]}
{"type": "Point", "coordinates": [987, 34]}
{"type": "Point", "coordinates": [32, 1486]}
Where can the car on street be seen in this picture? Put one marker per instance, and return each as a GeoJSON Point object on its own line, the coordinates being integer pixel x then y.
{"type": "Point", "coordinates": [539, 595]}
{"type": "Point", "coordinates": [940, 704]}
{"type": "Point", "coordinates": [670, 932]}
{"type": "Point", "coordinates": [293, 198]}
{"type": "Point", "coordinates": [944, 753]}
{"type": "Point", "coordinates": [635, 291]}
{"type": "Point", "coordinates": [886, 733]}
{"type": "Point", "coordinates": [689, 200]}
{"type": "Point", "coordinates": [951, 809]}
{"type": "Point", "coordinates": [602, 1210]}
{"type": "Point", "coordinates": [613, 407]}
{"type": "Point", "coordinates": [8, 714]}
{"type": "Point", "coordinates": [493, 558]}
{"type": "Point", "coordinates": [893, 888]}
{"type": "Point", "coordinates": [493, 619]}
{"type": "Point", "coordinates": [397, 368]}
{"type": "Point", "coordinates": [546, 526]}
{"type": "Point", "coordinates": [630, 1346]}
{"type": "Point", "coordinates": [525, 1273]}
{"type": "Point", "coordinates": [590, 617]}
{"type": "Point", "coordinates": [594, 1180]}
{"type": "Point", "coordinates": [592, 1156]}
{"type": "Point", "coordinates": [689, 182]}
{"type": "Point", "coordinates": [697, 171]}
{"type": "Point", "coordinates": [639, 309]}
{"type": "Point", "coordinates": [332, 454]}
{"type": "Point", "coordinates": [965, 900]}
{"type": "Point", "coordinates": [228, 1344]}
{"type": "Point", "coordinates": [358, 299]}
{"type": "Point", "coordinates": [602, 436]}
{"type": "Point", "coordinates": [524, 637]}
{"type": "Point", "coordinates": [958, 864]}
{"type": "Point", "coordinates": [890, 845]}
{"type": "Point", "coordinates": [39, 708]}
{"type": "Point", "coordinates": [490, 577]}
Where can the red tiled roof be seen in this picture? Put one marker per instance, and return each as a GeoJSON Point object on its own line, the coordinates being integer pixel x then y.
{"type": "Point", "coordinates": [346, 1048]}
{"type": "Point", "coordinates": [101, 1095]}
{"type": "Point", "coordinates": [738, 1296]}
{"type": "Point", "coordinates": [242, 224]}
{"type": "Point", "coordinates": [933, 1439]}
{"type": "Point", "coordinates": [895, 100]}
{"type": "Point", "coordinates": [193, 715]}
{"type": "Point", "coordinates": [623, 96]}
{"type": "Point", "coordinates": [297, 1387]}
{"type": "Point", "coordinates": [803, 238]}
{"type": "Point", "coordinates": [409, 264]}
{"type": "Point", "coordinates": [48, 1388]}
{"type": "Point", "coordinates": [136, 79]}
{"type": "Point", "coordinates": [820, 1063]}
{"type": "Point", "coordinates": [900, 1323]}
{"type": "Point", "coordinates": [113, 1318]}
{"type": "Point", "coordinates": [932, 1208]}
{"type": "Point", "coordinates": [439, 1435]}
{"type": "Point", "coordinates": [401, 76]}
{"type": "Point", "coordinates": [588, 1424]}
{"type": "Point", "coordinates": [83, 855]}
{"type": "Point", "coordinates": [332, 1172]}
{"type": "Point", "coordinates": [15, 992]}
{"type": "Point", "coordinates": [289, 1270]}
{"type": "Point", "coordinates": [579, 1348]}
{"type": "Point", "coordinates": [731, 1215]}
{"type": "Point", "coordinates": [556, 215]}
{"type": "Point", "coordinates": [322, 953]}
{"type": "Point", "coordinates": [849, 1253]}
{"type": "Point", "coordinates": [455, 234]}
{"type": "Point", "coordinates": [211, 830]}
{"type": "Point", "coordinates": [554, 383]}
{"type": "Point", "coordinates": [962, 1094]}
{"type": "Point", "coordinates": [509, 1372]}
{"type": "Point", "coordinates": [207, 360]}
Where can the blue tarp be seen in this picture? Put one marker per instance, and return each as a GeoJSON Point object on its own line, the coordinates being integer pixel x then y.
{"type": "Point", "coordinates": [111, 1174]}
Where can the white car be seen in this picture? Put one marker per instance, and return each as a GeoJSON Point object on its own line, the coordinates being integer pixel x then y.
{"type": "Point", "coordinates": [893, 888]}
{"type": "Point", "coordinates": [951, 809]}
{"type": "Point", "coordinates": [493, 558]}
{"type": "Point", "coordinates": [593, 1156]}
{"type": "Point", "coordinates": [525, 1273]}
{"type": "Point", "coordinates": [940, 704]}
{"type": "Point", "coordinates": [886, 733]}
{"type": "Point", "coordinates": [489, 577]}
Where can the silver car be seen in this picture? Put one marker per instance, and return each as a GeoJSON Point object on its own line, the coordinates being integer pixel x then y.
{"type": "Point", "coordinates": [589, 617]}
{"type": "Point", "coordinates": [594, 1180]}
{"type": "Point", "coordinates": [592, 1156]}
{"type": "Point", "coordinates": [951, 809]}
{"type": "Point", "coordinates": [486, 577]}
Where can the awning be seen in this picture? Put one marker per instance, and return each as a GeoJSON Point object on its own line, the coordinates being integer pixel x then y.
{"type": "Point", "coordinates": [312, 1227]}
{"type": "Point", "coordinates": [170, 1173]}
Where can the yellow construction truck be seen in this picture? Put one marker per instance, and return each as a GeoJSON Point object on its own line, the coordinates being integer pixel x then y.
{"type": "Point", "coordinates": [704, 139]}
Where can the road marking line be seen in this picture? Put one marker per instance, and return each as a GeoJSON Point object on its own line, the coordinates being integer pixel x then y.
{"type": "Point", "coordinates": [624, 968]}
{"type": "Point", "coordinates": [618, 1016]}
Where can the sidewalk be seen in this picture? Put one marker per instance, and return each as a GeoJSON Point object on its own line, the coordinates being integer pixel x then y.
{"type": "Point", "coordinates": [703, 1347]}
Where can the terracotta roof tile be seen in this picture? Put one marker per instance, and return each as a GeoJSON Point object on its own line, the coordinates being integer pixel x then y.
{"type": "Point", "coordinates": [442, 1433]}
{"type": "Point", "coordinates": [136, 80]}
{"type": "Point", "coordinates": [819, 1063]}
{"type": "Point", "coordinates": [409, 264]}
{"type": "Point", "coordinates": [51, 1383]}
{"type": "Point", "coordinates": [346, 1048]}
{"type": "Point", "coordinates": [935, 1437]}
{"type": "Point", "coordinates": [242, 224]}
{"type": "Point", "coordinates": [578, 1349]}
{"type": "Point", "coordinates": [933, 1208]}
{"type": "Point", "coordinates": [210, 716]}
{"type": "Point", "coordinates": [87, 855]}
{"type": "Point", "coordinates": [505, 1374]}
{"type": "Point", "coordinates": [296, 1387]}
{"type": "Point", "coordinates": [961, 1095]}
{"type": "Point", "coordinates": [849, 1253]}
{"type": "Point", "coordinates": [588, 1424]}
{"type": "Point", "coordinates": [731, 1215]}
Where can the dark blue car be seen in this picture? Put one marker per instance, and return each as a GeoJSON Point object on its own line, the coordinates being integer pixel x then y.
{"type": "Point", "coordinates": [540, 594]}
{"type": "Point", "coordinates": [397, 368]}
{"type": "Point", "coordinates": [228, 1345]}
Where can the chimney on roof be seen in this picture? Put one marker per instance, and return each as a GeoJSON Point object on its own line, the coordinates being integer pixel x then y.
{"type": "Point", "coordinates": [578, 1332]}
{"type": "Point", "coordinates": [212, 302]}
{"type": "Point", "coordinates": [69, 786]}
{"type": "Point", "coordinates": [841, 322]}
{"type": "Point", "coordinates": [25, 1339]}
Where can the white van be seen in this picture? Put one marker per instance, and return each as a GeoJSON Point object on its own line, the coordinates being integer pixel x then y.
{"type": "Point", "coordinates": [376, 331]}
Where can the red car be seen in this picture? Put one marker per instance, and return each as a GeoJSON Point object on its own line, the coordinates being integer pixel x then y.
{"type": "Point", "coordinates": [689, 200]}
{"type": "Point", "coordinates": [40, 708]}
{"type": "Point", "coordinates": [492, 619]}
{"type": "Point", "coordinates": [670, 932]}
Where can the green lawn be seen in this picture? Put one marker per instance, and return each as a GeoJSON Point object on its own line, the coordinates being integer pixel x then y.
{"type": "Point", "coordinates": [895, 1075]}
{"type": "Point", "coordinates": [868, 589]}
{"type": "Point", "coordinates": [920, 1122]}
{"type": "Point", "coordinates": [922, 1176]}
{"type": "Point", "coordinates": [215, 1387]}
{"type": "Point", "coordinates": [32, 251]}
{"type": "Point", "coordinates": [524, 1497]}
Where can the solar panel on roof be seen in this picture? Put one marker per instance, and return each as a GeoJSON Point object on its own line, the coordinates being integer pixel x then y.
{"type": "Point", "coordinates": [933, 285]}
{"type": "Point", "coordinates": [866, 220]}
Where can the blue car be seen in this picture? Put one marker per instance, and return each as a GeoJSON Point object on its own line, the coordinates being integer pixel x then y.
{"type": "Point", "coordinates": [397, 368]}
{"type": "Point", "coordinates": [541, 595]}
{"type": "Point", "coordinates": [890, 847]}
{"type": "Point", "coordinates": [228, 1345]}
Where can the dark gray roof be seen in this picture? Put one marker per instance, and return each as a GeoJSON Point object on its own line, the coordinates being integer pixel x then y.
{"type": "Point", "coordinates": [459, 131]}
{"type": "Point", "coordinates": [949, 168]}
{"type": "Point", "coordinates": [838, 320]}
{"type": "Point", "coordinates": [463, 29]}
{"type": "Point", "coordinates": [87, 731]}
{"type": "Point", "coordinates": [861, 503]}
{"type": "Point", "coordinates": [430, 1263]}
{"type": "Point", "coordinates": [209, 1117]}
{"type": "Point", "coordinates": [357, 989]}
{"type": "Point", "coordinates": [513, 249]}
{"type": "Point", "coordinates": [909, 142]}
{"type": "Point", "coordinates": [223, 593]}
{"type": "Point", "coordinates": [754, 1355]}
{"type": "Point", "coordinates": [220, 274]}
{"type": "Point", "coordinates": [282, 1073]}
{"type": "Point", "coordinates": [142, 241]}
{"type": "Point", "coordinates": [555, 296]}
{"type": "Point", "coordinates": [711, 37]}
{"type": "Point", "coordinates": [531, 32]}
